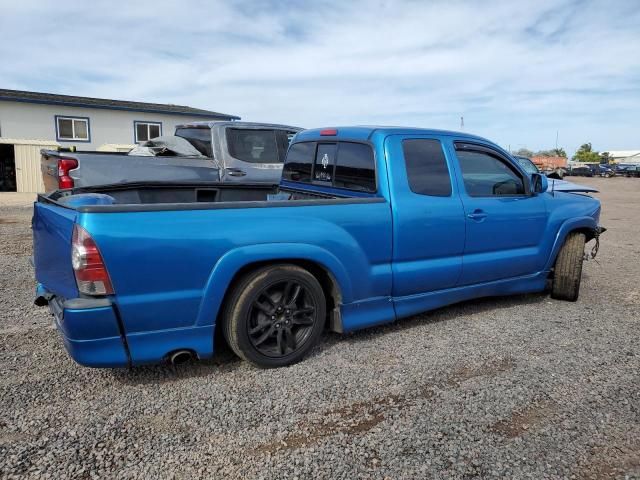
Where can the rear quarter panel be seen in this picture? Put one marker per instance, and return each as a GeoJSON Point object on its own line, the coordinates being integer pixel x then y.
{"type": "Point", "coordinates": [170, 269]}
{"type": "Point", "coordinates": [52, 233]}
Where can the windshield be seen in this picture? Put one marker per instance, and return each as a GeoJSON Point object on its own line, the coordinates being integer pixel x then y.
{"type": "Point", "coordinates": [527, 165]}
{"type": "Point", "coordinates": [200, 138]}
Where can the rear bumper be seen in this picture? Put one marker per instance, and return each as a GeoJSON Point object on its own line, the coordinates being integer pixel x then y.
{"type": "Point", "coordinates": [90, 331]}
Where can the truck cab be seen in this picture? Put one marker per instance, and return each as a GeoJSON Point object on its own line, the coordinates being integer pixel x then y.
{"type": "Point", "coordinates": [241, 150]}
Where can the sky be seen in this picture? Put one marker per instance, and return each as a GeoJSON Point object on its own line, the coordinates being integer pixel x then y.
{"type": "Point", "coordinates": [519, 72]}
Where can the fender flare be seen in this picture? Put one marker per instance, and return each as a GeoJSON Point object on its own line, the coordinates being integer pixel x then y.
{"type": "Point", "coordinates": [234, 260]}
{"type": "Point", "coordinates": [577, 223]}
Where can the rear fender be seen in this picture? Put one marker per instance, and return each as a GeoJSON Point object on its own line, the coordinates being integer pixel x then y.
{"type": "Point", "coordinates": [52, 228]}
{"type": "Point", "coordinates": [233, 261]}
{"type": "Point", "coordinates": [578, 223]}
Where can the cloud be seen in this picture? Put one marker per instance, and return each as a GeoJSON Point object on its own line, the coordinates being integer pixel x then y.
{"type": "Point", "coordinates": [517, 71]}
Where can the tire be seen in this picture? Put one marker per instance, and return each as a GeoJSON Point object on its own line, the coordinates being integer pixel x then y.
{"type": "Point", "coordinates": [568, 268]}
{"type": "Point", "coordinates": [269, 321]}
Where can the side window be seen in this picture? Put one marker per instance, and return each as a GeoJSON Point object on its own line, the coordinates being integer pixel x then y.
{"type": "Point", "coordinates": [300, 158]}
{"type": "Point", "coordinates": [284, 138]}
{"type": "Point", "coordinates": [253, 146]}
{"type": "Point", "coordinates": [487, 176]}
{"type": "Point", "coordinates": [325, 160]}
{"type": "Point", "coordinates": [427, 169]}
{"type": "Point", "coordinates": [355, 168]}
{"type": "Point", "coordinates": [200, 138]}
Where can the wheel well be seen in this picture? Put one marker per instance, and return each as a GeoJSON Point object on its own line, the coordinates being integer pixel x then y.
{"type": "Point", "coordinates": [329, 284]}
{"type": "Point", "coordinates": [589, 234]}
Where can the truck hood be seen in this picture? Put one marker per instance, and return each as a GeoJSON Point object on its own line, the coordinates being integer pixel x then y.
{"type": "Point", "coordinates": [564, 186]}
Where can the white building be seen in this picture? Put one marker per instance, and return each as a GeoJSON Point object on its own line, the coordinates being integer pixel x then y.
{"type": "Point", "coordinates": [624, 156]}
{"type": "Point", "coordinates": [30, 121]}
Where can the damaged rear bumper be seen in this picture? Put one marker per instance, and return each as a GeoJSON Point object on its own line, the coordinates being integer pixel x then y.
{"type": "Point", "coordinates": [90, 329]}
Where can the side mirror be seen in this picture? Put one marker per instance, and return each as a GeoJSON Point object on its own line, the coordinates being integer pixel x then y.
{"type": "Point", "coordinates": [539, 183]}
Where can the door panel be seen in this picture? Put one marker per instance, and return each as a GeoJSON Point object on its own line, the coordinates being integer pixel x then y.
{"type": "Point", "coordinates": [255, 155]}
{"type": "Point", "coordinates": [505, 223]}
{"type": "Point", "coordinates": [428, 227]}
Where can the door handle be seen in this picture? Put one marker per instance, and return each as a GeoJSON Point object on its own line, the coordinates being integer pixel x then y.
{"type": "Point", "coordinates": [236, 172]}
{"type": "Point", "coordinates": [477, 215]}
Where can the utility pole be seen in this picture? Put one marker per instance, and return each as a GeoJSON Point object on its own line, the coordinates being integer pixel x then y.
{"type": "Point", "coordinates": [557, 131]}
{"type": "Point", "coordinates": [461, 123]}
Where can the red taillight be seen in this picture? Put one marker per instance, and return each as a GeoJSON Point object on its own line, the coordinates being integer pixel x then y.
{"type": "Point", "coordinates": [91, 274]}
{"type": "Point", "coordinates": [329, 132]}
{"type": "Point", "coordinates": [64, 166]}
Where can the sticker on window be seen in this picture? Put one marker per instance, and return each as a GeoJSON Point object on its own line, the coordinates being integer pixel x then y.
{"type": "Point", "coordinates": [325, 160]}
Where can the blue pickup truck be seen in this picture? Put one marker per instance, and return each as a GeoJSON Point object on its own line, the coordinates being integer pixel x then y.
{"type": "Point", "coordinates": [368, 225]}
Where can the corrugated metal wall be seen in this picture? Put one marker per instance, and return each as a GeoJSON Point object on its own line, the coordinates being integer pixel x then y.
{"type": "Point", "coordinates": [27, 158]}
{"type": "Point", "coordinates": [28, 174]}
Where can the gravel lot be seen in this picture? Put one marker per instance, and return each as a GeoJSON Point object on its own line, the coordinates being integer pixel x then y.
{"type": "Point", "coordinates": [519, 387]}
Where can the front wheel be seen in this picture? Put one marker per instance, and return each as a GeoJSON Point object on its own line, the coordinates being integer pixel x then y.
{"type": "Point", "coordinates": [275, 315]}
{"type": "Point", "coordinates": [568, 268]}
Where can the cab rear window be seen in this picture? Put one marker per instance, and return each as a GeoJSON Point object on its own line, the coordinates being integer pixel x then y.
{"type": "Point", "coordinates": [347, 165]}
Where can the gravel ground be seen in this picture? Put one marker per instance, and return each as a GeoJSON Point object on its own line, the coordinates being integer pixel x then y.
{"type": "Point", "coordinates": [518, 387]}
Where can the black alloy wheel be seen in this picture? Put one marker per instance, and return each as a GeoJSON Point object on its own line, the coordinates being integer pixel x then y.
{"type": "Point", "coordinates": [275, 315]}
{"type": "Point", "coordinates": [281, 318]}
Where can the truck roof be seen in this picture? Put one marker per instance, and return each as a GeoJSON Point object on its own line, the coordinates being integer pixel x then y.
{"type": "Point", "coordinates": [367, 132]}
{"type": "Point", "coordinates": [212, 123]}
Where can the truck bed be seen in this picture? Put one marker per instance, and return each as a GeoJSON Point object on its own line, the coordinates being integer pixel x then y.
{"type": "Point", "coordinates": [160, 193]}
{"type": "Point", "coordinates": [167, 245]}
{"type": "Point", "coordinates": [150, 196]}
{"type": "Point", "coordinates": [98, 168]}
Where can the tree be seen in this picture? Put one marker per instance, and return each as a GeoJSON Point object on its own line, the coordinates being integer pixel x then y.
{"type": "Point", "coordinates": [554, 152]}
{"type": "Point", "coordinates": [523, 152]}
{"type": "Point", "coordinates": [604, 157]}
{"type": "Point", "coordinates": [544, 153]}
{"type": "Point", "coordinates": [586, 154]}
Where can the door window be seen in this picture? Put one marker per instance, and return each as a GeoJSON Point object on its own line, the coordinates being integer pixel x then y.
{"type": "Point", "coordinates": [253, 146]}
{"type": "Point", "coordinates": [427, 169]}
{"type": "Point", "coordinates": [485, 175]}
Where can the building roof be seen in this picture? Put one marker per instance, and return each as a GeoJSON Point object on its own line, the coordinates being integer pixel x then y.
{"type": "Point", "coordinates": [89, 102]}
{"type": "Point", "coordinates": [623, 153]}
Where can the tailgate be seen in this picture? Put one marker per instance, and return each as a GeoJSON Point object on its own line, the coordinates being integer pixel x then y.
{"type": "Point", "coordinates": [52, 234]}
{"type": "Point", "coordinates": [49, 168]}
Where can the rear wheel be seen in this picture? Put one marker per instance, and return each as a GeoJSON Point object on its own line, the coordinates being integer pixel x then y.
{"type": "Point", "coordinates": [275, 315]}
{"type": "Point", "coordinates": [568, 268]}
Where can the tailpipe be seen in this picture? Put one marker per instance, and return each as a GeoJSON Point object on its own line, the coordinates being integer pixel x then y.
{"type": "Point", "coordinates": [181, 356]}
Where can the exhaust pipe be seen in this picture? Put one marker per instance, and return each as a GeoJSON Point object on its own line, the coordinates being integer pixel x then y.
{"type": "Point", "coordinates": [180, 356]}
